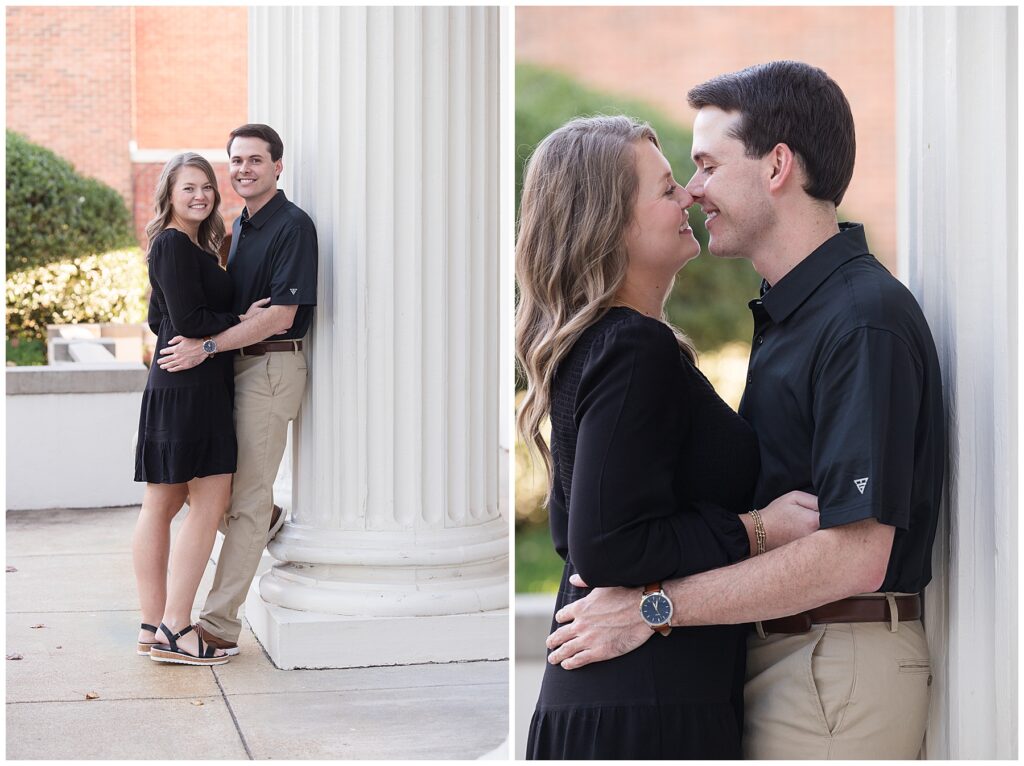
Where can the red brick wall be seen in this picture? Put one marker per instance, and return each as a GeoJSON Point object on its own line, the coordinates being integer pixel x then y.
{"type": "Point", "coordinates": [69, 86]}
{"type": "Point", "coordinates": [191, 70]}
{"type": "Point", "coordinates": [657, 54]}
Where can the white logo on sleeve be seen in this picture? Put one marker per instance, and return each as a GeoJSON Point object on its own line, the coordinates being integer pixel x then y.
{"type": "Point", "coordinates": [294, 290]}
{"type": "Point", "coordinates": [861, 483]}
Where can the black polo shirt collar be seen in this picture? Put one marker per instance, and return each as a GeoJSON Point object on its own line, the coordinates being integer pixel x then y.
{"type": "Point", "coordinates": [787, 295]}
{"type": "Point", "coordinates": [266, 212]}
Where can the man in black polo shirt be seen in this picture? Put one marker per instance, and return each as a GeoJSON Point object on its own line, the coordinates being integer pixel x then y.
{"type": "Point", "coordinates": [843, 389]}
{"type": "Point", "coordinates": [273, 255]}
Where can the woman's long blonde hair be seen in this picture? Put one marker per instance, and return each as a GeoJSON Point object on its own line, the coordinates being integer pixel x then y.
{"type": "Point", "coordinates": [211, 231]}
{"type": "Point", "coordinates": [579, 190]}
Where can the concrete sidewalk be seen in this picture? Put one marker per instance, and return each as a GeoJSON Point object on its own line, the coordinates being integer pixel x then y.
{"type": "Point", "coordinates": [72, 614]}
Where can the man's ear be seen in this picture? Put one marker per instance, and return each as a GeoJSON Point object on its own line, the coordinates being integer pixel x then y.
{"type": "Point", "coordinates": [278, 168]}
{"type": "Point", "coordinates": [783, 164]}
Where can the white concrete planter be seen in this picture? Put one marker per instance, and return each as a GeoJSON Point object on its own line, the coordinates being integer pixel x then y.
{"type": "Point", "coordinates": [69, 435]}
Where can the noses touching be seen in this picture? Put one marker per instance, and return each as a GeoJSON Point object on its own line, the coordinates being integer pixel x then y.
{"type": "Point", "coordinates": [695, 190]}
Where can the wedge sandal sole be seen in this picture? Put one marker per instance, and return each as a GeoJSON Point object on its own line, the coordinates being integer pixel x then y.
{"type": "Point", "coordinates": [170, 653]}
{"type": "Point", "coordinates": [143, 647]}
{"type": "Point", "coordinates": [181, 658]}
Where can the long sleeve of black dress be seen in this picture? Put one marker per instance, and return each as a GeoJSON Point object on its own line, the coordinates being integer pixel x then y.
{"type": "Point", "coordinates": [175, 273]}
{"type": "Point", "coordinates": [629, 521]}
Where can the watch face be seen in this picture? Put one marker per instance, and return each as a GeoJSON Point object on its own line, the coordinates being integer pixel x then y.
{"type": "Point", "coordinates": [656, 609]}
{"type": "Point", "coordinates": [209, 347]}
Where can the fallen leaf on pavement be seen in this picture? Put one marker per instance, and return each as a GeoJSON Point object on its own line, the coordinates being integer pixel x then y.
{"type": "Point", "coordinates": [12, 569]}
{"type": "Point", "coordinates": [36, 627]}
{"type": "Point", "coordinates": [198, 703]}
{"type": "Point", "coordinates": [92, 696]}
{"type": "Point", "coordinates": [15, 656]}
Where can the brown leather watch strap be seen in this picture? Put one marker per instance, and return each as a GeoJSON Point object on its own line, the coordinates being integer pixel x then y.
{"type": "Point", "coordinates": [655, 587]}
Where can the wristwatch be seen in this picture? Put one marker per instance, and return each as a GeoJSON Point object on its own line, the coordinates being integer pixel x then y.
{"type": "Point", "coordinates": [656, 609]}
{"type": "Point", "coordinates": [209, 346]}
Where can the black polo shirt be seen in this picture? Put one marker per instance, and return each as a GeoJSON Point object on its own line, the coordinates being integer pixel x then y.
{"type": "Point", "coordinates": [274, 253]}
{"type": "Point", "coordinates": [844, 392]}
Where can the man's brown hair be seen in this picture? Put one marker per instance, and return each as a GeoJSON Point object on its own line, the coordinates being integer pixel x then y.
{"type": "Point", "coordinates": [258, 130]}
{"type": "Point", "coordinates": [792, 103]}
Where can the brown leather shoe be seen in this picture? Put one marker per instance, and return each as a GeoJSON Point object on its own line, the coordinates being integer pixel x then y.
{"type": "Point", "coordinates": [276, 522]}
{"type": "Point", "coordinates": [216, 641]}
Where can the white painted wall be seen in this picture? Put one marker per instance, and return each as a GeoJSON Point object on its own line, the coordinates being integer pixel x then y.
{"type": "Point", "coordinates": [958, 206]}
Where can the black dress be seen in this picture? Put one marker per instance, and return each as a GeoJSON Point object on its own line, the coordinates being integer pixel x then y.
{"type": "Point", "coordinates": [651, 469]}
{"type": "Point", "coordinates": [186, 429]}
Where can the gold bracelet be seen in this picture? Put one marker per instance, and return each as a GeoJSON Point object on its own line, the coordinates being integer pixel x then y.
{"type": "Point", "coordinates": [759, 534]}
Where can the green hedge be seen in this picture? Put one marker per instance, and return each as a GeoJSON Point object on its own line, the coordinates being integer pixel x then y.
{"type": "Point", "coordinates": [710, 298]}
{"type": "Point", "coordinates": [111, 287]}
{"type": "Point", "coordinates": [53, 213]}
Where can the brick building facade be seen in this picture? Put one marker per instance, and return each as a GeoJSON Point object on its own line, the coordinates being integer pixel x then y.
{"type": "Point", "coordinates": [656, 54]}
{"type": "Point", "coordinates": [118, 90]}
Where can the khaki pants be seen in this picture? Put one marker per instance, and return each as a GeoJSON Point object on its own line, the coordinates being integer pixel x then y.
{"type": "Point", "coordinates": [268, 393]}
{"type": "Point", "coordinates": [840, 691]}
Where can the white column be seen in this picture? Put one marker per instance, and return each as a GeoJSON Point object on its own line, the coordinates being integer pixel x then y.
{"type": "Point", "coordinates": [957, 96]}
{"type": "Point", "coordinates": [396, 551]}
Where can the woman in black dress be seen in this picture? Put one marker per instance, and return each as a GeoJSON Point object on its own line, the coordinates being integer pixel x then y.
{"type": "Point", "coordinates": [652, 472]}
{"type": "Point", "coordinates": [186, 446]}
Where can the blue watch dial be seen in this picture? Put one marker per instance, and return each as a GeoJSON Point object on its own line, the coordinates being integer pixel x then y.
{"type": "Point", "coordinates": [656, 609]}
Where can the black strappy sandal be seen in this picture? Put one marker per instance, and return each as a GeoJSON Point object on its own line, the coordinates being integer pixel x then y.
{"type": "Point", "coordinates": [143, 647]}
{"type": "Point", "coordinates": [170, 652]}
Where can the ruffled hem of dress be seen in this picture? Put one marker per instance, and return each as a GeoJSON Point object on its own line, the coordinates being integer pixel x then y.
{"type": "Point", "coordinates": [160, 461]}
{"type": "Point", "coordinates": [707, 731]}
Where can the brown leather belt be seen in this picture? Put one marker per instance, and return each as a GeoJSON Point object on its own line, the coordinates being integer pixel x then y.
{"type": "Point", "coordinates": [853, 609]}
{"type": "Point", "coordinates": [259, 349]}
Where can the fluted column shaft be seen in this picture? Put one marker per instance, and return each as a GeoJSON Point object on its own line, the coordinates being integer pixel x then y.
{"type": "Point", "coordinates": [957, 97]}
{"type": "Point", "coordinates": [390, 123]}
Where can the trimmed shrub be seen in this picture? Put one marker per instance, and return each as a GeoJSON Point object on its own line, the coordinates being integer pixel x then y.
{"type": "Point", "coordinates": [111, 287]}
{"type": "Point", "coordinates": [53, 213]}
{"type": "Point", "coordinates": [709, 301]}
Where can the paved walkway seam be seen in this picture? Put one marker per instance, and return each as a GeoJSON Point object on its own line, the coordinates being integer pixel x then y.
{"type": "Point", "coordinates": [109, 699]}
{"type": "Point", "coordinates": [231, 711]}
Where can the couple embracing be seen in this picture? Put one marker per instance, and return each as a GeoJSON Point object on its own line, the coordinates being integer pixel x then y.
{"type": "Point", "coordinates": [229, 378]}
{"type": "Point", "coordinates": [809, 514]}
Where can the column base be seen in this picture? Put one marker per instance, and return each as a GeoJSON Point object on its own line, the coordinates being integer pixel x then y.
{"type": "Point", "coordinates": [295, 639]}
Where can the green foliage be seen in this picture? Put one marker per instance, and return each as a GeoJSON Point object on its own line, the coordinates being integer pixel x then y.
{"type": "Point", "coordinates": [111, 287]}
{"type": "Point", "coordinates": [22, 352]}
{"type": "Point", "coordinates": [538, 567]}
{"type": "Point", "coordinates": [53, 213]}
{"type": "Point", "coordinates": [709, 301]}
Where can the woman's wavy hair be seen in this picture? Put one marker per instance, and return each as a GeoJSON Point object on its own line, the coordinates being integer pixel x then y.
{"type": "Point", "coordinates": [579, 190]}
{"type": "Point", "coordinates": [211, 231]}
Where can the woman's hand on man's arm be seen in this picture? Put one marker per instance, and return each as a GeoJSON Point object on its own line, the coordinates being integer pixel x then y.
{"type": "Point", "coordinates": [786, 518]}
